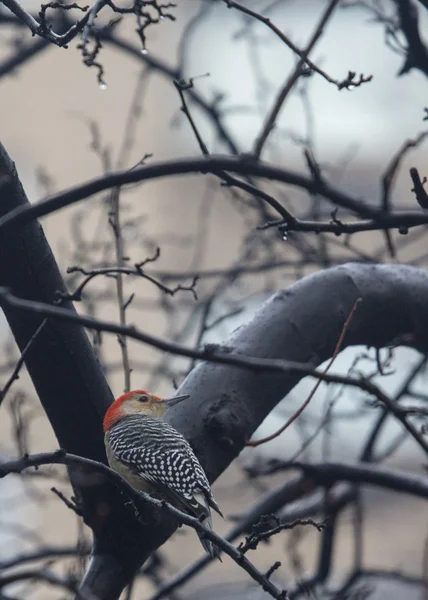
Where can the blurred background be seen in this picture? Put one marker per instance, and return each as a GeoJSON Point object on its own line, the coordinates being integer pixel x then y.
{"type": "Point", "coordinates": [62, 126]}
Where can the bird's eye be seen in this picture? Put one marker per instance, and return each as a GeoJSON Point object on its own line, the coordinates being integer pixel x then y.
{"type": "Point", "coordinates": [143, 398]}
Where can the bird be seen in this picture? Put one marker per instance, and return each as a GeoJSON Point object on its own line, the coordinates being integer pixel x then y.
{"type": "Point", "coordinates": [156, 458]}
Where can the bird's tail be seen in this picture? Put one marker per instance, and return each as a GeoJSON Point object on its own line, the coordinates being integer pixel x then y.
{"type": "Point", "coordinates": [209, 547]}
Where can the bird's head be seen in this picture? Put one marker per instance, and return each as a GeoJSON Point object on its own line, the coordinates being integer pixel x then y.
{"type": "Point", "coordinates": [138, 402]}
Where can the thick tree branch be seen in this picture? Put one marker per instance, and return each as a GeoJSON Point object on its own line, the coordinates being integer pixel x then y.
{"type": "Point", "coordinates": [223, 355]}
{"type": "Point", "coordinates": [302, 323]}
{"type": "Point", "coordinates": [69, 382]}
{"type": "Point", "coordinates": [66, 375]}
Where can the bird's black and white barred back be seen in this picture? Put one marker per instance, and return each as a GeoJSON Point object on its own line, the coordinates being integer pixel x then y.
{"type": "Point", "coordinates": [158, 455]}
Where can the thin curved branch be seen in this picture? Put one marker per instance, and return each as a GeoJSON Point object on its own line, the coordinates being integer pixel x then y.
{"type": "Point", "coordinates": [214, 165]}
{"type": "Point", "coordinates": [46, 552]}
{"type": "Point", "coordinates": [327, 473]}
{"type": "Point", "coordinates": [41, 28]}
{"type": "Point", "coordinates": [46, 576]}
{"type": "Point", "coordinates": [22, 55]}
{"type": "Point", "coordinates": [345, 83]}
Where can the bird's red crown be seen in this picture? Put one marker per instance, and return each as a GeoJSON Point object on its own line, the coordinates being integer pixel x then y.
{"type": "Point", "coordinates": [116, 411]}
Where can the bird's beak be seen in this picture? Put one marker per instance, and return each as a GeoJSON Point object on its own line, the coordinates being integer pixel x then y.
{"type": "Point", "coordinates": [173, 401]}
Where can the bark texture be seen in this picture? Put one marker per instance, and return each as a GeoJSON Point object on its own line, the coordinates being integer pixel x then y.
{"type": "Point", "coordinates": [301, 323]}
{"type": "Point", "coordinates": [72, 389]}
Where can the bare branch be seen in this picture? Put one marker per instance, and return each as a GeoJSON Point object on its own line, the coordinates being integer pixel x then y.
{"type": "Point", "coordinates": [347, 83]}
{"type": "Point", "coordinates": [142, 501]}
{"type": "Point", "coordinates": [214, 165]}
{"type": "Point", "coordinates": [418, 189]}
{"type": "Point", "coordinates": [271, 118]}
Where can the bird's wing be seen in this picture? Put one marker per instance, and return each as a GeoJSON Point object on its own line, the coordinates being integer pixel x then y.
{"type": "Point", "coordinates": [168, 464]}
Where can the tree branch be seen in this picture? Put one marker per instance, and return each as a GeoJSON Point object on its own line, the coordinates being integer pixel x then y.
{"type": "Point", "coordinates": [215, 165]}
{"type": "Point", "coordinates": [147, 507]}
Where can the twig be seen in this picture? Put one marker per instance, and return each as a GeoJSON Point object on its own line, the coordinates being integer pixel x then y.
{"type": "Point", "coordinates": [347, 83]}
{"type": "Point", "coordinates": [271, 118]}
{"type": "Point", "coordinates": [114, 221]}
{"type": "Point", "coordinates": [182, 85]}
{"type": "Point", "coordinates": [367, 454]}
{"type": "Point", "coordinates": [272, 569]}
{"type": "Point", "coordinates": [247, 186]}
{"type": "Point", "coordinates": [273, 501]}
{"type": "Point", "coordinates": [21, 360]}
{"type": "Point", "coordinates": [299, 411]}
{"type": "Point", "coordinates": [92, 14]}
{"type": "Point", "coordinates": [389, 177]}
{"type": "Point", "coordinates": [392, 169]}
{"type": "Point", "coordinates": [44, 553]}
{"type": "Point", "coordinates": [135, 270]}
{"type": "Point", "coordinates": [243, 269]}
{"type": "Point", "coordinates": [418, 188]}
{"type": "Point", "coordinates": [261, 534]}
{"type": "Point", "coordinates": [41, 29]}
{"type": "Point", "coordinates": [69, 503]}
{"type": "Point", "coordinates": [174, 73]}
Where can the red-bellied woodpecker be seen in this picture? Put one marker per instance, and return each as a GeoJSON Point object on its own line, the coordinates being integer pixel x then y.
{"type": "Point", "coordinates": [155, 458]}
